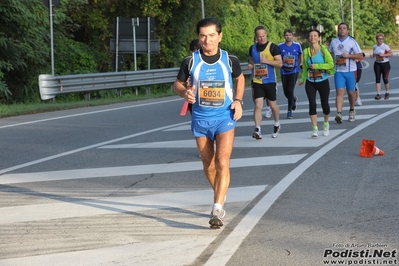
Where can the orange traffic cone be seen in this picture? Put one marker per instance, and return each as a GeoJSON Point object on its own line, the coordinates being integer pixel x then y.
{"type": "Point", "coordinates": [368, 149]}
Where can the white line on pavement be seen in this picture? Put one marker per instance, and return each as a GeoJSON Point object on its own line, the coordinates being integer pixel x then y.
{"type": "Point", "coordinates": [83, 208]}
{"type": "Point", "coordinates": [169, 251]}
{"type": "Point", "coordinates": [230, 244]}
{"type": "Point", "coordinates": [87, 113]}
{"type": "Point", "coordinates": [269, 121]}
{"type": "Point", "coordinates": [141, 169]}
{"type": "Point", "coordinates": [294, 139]}
{"type": "Point", "coordinates": [2, 171]}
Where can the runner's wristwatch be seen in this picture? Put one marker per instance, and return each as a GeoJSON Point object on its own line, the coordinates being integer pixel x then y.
{"type": "Point", "coordinates": [240, 101]}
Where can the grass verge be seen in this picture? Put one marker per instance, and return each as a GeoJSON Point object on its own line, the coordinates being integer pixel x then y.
{"type": "Point", "coordinates": [49, 106]}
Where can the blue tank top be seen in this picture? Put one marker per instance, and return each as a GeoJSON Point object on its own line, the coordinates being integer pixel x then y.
{"type": "Point", "coordinates": [316, 75]}
{"type": "Point", "coordinates": [290, 56]}
{"type": "Point", "coordinates": [214, 88]}
{"type": "Point", "coordinates": [262, 73]}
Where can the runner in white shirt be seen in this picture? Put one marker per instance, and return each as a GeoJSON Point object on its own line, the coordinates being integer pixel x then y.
{"type": "Point", "coordinates": [345, 50]}
{"type": "Point", "coordinates": [381, 52]}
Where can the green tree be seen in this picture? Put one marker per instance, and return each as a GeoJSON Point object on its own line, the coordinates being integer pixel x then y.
{"type": "Point", "coordinates": [308, 14]}
{"type": "Point", "coordinates": [71, 56]}
{"type": "Point", "coordinates": [83, 29]}
{"type": "Point", "coordinates": [238, 29]}
{"type": "Point", "coordinates": [23, 49]}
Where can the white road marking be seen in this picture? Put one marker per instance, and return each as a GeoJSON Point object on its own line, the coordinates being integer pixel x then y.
{"type": "Point", "coordinates": [167, 253]}
{"type": "Point", "coordinates": [109, 205]}
{"type": "Point", "coordinates": [2, 171]}
{"type": "Point", "coordinates": [229, 246]}
{"type": "Point", "coordinates": [87, 113]}
{"type": "Point", "coordinates": [176, 251]}
{"type": "Point", "coordinates": [270, 121]}
{"type": "Point", "coordinates": [141, 169]}
{"type": "Point", "coordinates": [127, 254]}
{"type": "Point", "coordinates": [294, 139]}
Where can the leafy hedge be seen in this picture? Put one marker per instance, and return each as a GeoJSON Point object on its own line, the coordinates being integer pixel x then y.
{"type": "Point", "coordinates": [83, 28]}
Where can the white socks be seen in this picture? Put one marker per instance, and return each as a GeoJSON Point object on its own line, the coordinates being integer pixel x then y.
{"type": "Point", "coordinates": [217, 206]}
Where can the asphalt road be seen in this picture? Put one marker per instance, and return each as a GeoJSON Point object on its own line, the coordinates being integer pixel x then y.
{"type": "Point", "coordinates": [123, 185]}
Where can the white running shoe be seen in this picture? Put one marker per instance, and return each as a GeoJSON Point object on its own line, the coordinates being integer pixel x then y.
{"type": "Point", "coordinates": [216, 220]}
{"type": "Point", "coordinates": [358, 102]}
{"type": "Point", "coordinates": [315, 132]}
{"type": "Point", "coordinates": [326, 129]}
{"type": "Point", "coordinates": [352, 116]}
{"type": "Point", "coordinates": [222, 213]}
{"type": "Point", "coordinates": [268, 112]}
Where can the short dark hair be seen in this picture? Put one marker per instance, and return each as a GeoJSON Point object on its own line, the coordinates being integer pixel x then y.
{"type": "Point", "coordinates": [260, 27]}
{"type": "Point", "coordinates": [209, 22]}
{"type": "Point", "coordinates": [316, 30]}
{"type": "Point", "coordinates": [343, 23]}
{"type": "Point", "coordinates": [289, 31]}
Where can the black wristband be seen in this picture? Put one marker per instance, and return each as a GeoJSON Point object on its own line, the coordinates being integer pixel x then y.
{"type": "Point", "coordinates": [238, 100]}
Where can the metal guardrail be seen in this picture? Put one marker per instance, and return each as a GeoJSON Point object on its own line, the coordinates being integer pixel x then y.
{"type": "Point", "coordinates": [50, 86]}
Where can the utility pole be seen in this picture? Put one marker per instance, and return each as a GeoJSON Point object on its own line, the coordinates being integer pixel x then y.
{"type": "Point", "coordinates": [397, 22]}
{"type": "Point", "coordinates": [352, 17]}
{"type": "Point", "coordinates": [51, 4]}
{"type": "Point", "coordinates": [203, 9]}
{"type": "Point", "coordinates": [51, 36]}
{"type": "Point", "coordinates": [342, 11]}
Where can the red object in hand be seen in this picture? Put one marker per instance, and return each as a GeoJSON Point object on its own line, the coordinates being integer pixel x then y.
{"type": "Point", "coordinates": [184, 109]}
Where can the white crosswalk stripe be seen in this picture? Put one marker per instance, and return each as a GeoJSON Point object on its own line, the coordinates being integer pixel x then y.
{"type": "Point", "coordinates": [141, 169]}
{"type": "Point", "coordinates": [178, 215]}
{"type": "Point", "coordinates": [109, 205]}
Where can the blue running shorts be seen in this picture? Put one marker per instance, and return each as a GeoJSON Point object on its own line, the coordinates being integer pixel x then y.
{"type": "Point", "coordinates": [204, 128]}
{"type": "Point", "coordinates": [345, 80]}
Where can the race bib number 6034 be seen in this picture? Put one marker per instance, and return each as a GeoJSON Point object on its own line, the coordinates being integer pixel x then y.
{"type": "Point", "coordinates": [212, 93]}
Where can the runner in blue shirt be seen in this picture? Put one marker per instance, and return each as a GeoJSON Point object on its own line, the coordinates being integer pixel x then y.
{"type": "Point", "coordinates": [216, 97]}
{"type": "Point", "coordinates": [291, 54]}
{"type": "Point", "coordinates": [264, 57]}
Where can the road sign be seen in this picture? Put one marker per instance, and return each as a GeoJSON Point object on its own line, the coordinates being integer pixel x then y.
{"type": "Point", "coordinates": [126, 46]}
{"type": "Point", "coordinates": [320, 28]}
{"type": "Point", "coordinates": [125, 30]}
